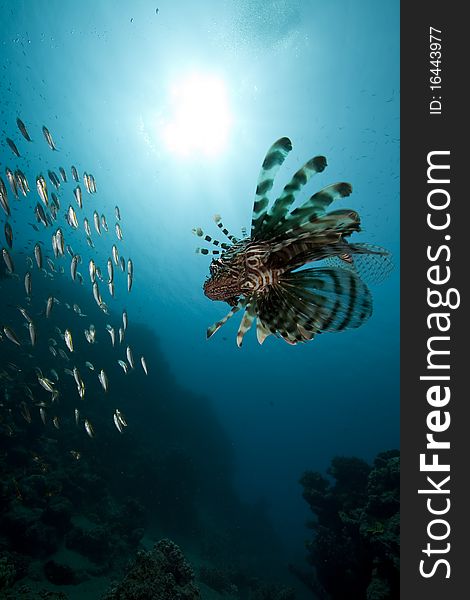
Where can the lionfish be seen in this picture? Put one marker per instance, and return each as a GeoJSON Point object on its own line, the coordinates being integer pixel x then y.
{"type": "Point", "coordinates": [263, 273]}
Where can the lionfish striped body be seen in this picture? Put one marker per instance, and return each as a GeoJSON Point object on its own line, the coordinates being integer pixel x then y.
{"type": "Point", "coordinates": [263, 273]}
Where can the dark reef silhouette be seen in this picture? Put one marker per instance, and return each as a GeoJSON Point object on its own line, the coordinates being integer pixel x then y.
{"type": "Point", "coordinates": [355, 549]}
{"type": "Point", "coordinates": [169, 474]}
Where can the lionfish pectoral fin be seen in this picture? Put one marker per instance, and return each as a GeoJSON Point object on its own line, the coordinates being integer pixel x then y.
{"type": "Point", "coordinates": [216, 326]}
{"type": "Point", "coordinates": [224, 230]}
{"type": "Point", "coordinates": [200, 233]}
{"type": "Point", "coordinates": [261, 331]}
{"type": "Point", "coordinates": [314, 300]}
{"type": "Point", "coordinates": [246, 322]}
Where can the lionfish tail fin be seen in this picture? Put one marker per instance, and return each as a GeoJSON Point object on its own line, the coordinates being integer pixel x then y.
{"type": "Point", "coordinates": [313, 301]}
{"type": "Point", "coordinates": [274, 158]}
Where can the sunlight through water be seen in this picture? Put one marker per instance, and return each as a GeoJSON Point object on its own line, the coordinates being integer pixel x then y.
{"type": "Point", "coordinates": [199, 116]}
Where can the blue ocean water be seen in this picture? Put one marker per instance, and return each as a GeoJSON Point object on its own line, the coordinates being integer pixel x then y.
{"type": "Point", "coordinates": [110, 80]}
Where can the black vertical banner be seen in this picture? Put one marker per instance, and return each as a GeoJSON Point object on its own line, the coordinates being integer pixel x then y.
{"type": "Point", "coordinates": [435, 322]}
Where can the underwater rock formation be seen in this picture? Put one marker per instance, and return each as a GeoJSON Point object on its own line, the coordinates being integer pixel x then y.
{"type": "Point", "coordinates": [356, 544]}
{"type": "Point", "coordinates": [161, 574]}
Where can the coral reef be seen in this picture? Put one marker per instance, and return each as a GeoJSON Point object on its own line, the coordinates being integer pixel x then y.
{"type": "Point", "coordinates": [355, 549]}
{"type": "Point", "coordinates": [161, 574]}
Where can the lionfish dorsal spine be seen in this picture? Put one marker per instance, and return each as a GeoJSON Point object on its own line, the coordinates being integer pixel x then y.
{"type": "Point", "coordinates": [279, 209]}
{"type": "Point", "coordinates": [274, 158]}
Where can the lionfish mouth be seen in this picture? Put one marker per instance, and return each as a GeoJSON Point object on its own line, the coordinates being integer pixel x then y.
{"type": "Point", "coordinates": [215, 290]}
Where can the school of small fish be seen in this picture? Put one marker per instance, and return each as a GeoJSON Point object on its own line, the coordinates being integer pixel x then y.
{"type": "Point", "coordinates": [59, 197]}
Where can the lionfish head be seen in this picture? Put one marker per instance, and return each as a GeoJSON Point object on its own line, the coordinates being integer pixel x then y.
{"type": "Point", "coordinates": [223, 282]}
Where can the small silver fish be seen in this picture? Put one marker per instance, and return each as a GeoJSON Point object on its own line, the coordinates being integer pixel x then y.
{"type": "Point", "coordinates": [68, 339]}
{"type": "Point", "coordinates": [89, 428]}
{"type": "Point", "coordinates": [96, 221]}
{"type": "Point", "coordinates": [103, 380]}
{"type": "Point", "coordinates": [38, 255]}
{"type": "Point", "coordinates": [118, 424]}
{"type": "Point", "coordinates": [111, 288]}
{"type": "Point", "coordinates": [54, 179]}
{"type": "Point", "coordinates": [86, 225]}
{"type": "Point", "coordinates": [115, 255]}
{"type": "Point", "coordinates": [72, 217]}
{"type": "Point", "coordinates": [48, 138]}
{"type": "Point", "coordinates": [63, 174]}
{"type": "Point", "coordinates": [130, 358]}
{"type": "Point", "coordinates": [75, 174]}
{"type": "Point", "coordinates": [59, 236]}
{"type": "Point", "coordinates": [49, 305]}
{"type": "Point", "coordinates": [123, 366]}
{"type": "Point", "coordinates": [25, 314]}
{"type": "Point", "coordinates": [117, 213]}
{"type": "Point", "coordinates": [8, 260]}
{"type": "Point", "coordinates": [111, 332]}
{"type": "Point", "coordinates": [22, 128]}
{"type": "Point", "coordinates": [55, 374]}
{"type": "Point", "coordinates": [51, 265]}
{"type": "Point", "coordinates": [55, 421]}
{"type": "Point", "coordinates": [92, 182]}
{"type": "Point", "coordinates": [118, 231]}
{"type": "Point", "coordinates": [77, 416]}
{"type": "Point", "coordinates": [11, 335]}
{"type": "Point", "coordinates": [41, 216]}
{"type": "Point", "coordinates": [42, 189]}
{"type": "Point", "coordinates": [120, 417]}
{"type": "Point", "coordinates": [22, 182]}
{"type": "Point", "coordinates": [4, 198]}
{"type": "Point", "coordinates": [92, 270]}
{"type": "Point", "coordinates": [73, 267]}
{"type": "Point", "coordinates": [86, 181]}
{"type": "Point", "coordinates": [110, 271]}
{"type": "Point", "coordinates": [104, 223]}
{"type": "Point", "coordinates": [53, 351]}
{"type": "Point", "coordinates": [119, 420]}
{"type": "Point", "coordinates": [8, 234]}
{"type": "Point", "coordinates": [32, 333]}
{"type": "Point", "coordinates": [144, 365]}
{"type": "Point", "coordinates": [13, 147]}
{"type": "Point", "coordinates": [124, 319]}
{"type": "Point", "coordinates": [42, 414]}
{"type": "Point", "coordinates": [121, 335]}
{"type": "Point", "coordinates": [47, 384]}
{"type": "Point", "coordinates": [89, 365]}
{"type": "Point", "coordinates": [96, 293]}
{"type": "Point", "coordinates": [78, 196]}
{"type": "Point", "coordinates": [12, 182]}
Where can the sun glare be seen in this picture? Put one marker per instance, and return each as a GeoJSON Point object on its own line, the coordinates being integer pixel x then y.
{"type": "Point", "coordinates": [200, 118]}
